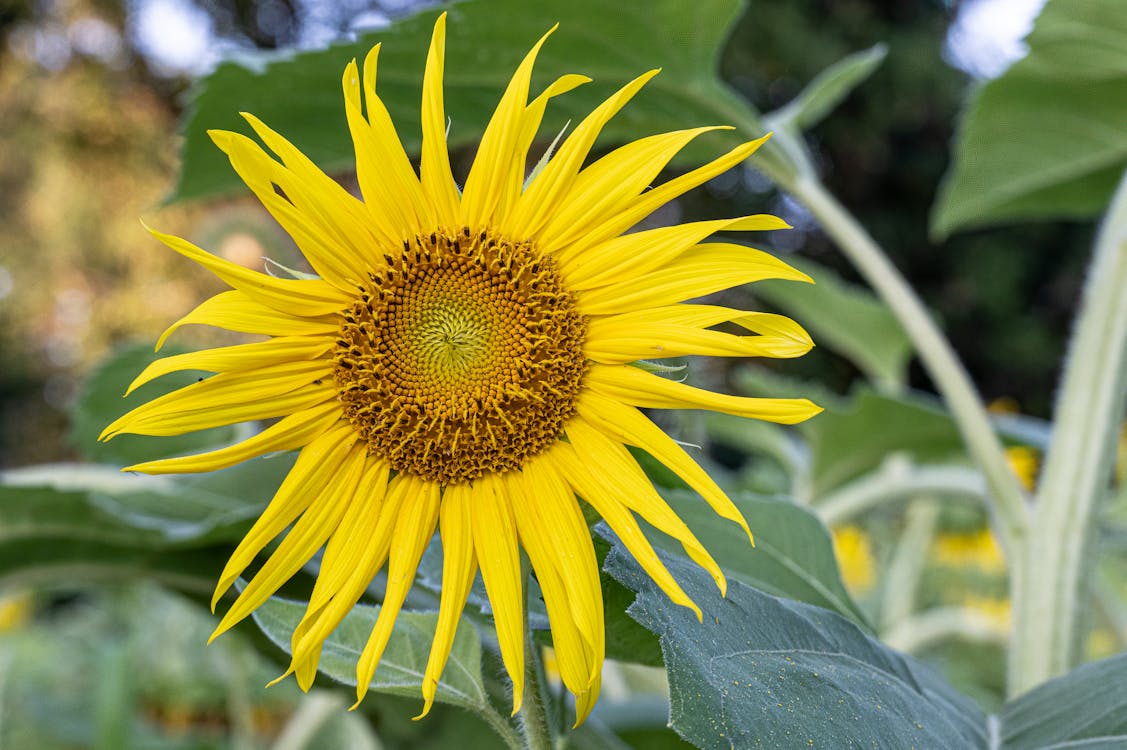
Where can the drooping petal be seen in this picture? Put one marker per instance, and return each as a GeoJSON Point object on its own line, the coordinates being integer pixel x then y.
{"type": "Point", "coordinates": [317, 463]}
{"type": "Point", "coordinates": [630, 426]}
{"type": "Point", "coordinates": [496, 545]}
{"type": "Point", "coordinates": [702, 270]}
{"type": "Point", "coordinates": [413, 530]}
{"type": "Point", "coordinates": [606, 503]}
{"type": "Point", "coordinates": [304, 540]}
{"type": "Point", "coordinates": [240, 357]}
{"type": "Point", "coordinates": [305, 297]}
{"type": "Point", "coordinates": [491, 171]}
{"type": "Point", "coordinates": [638, 253]}
{"type": "Point", "coordinates": [558, 543]}
{"type": "Point", "coordinates": [458, 568]}
{"type": "Point", "coordinates": [235, 311]}
{"type": "Point", "coordinates": [631, 385]}
{"type": "Point", "coordinates": [353, 556]}
{"type": "Point", "coordinates": [289, 433]}
{"type": "Point", "coordinates": [617, 475]}
{"type": "Point", "coordinates": [229, 398]}
{"type": "Point", "coordinates": [682, 330]}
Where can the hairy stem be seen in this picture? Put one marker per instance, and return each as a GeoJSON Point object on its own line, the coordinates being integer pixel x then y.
{"type": "Point", "coordinates": [1078, 464]}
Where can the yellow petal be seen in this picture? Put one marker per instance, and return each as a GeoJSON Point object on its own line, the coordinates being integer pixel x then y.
{"type": "Point", "coordinates": [458, 569]}
{"type": "Point", "coordinates": [612, 186]}
{"type": "Point", "coordinates": [681, 330]}
{"type": "Point", "coordinates": [235, 311]}
{"type": "Point", "coordinates": [628, 425]}
{"type": "Point", "coordinates": [702, 270]}
{"type": "Point", "coordinates": [634, 386]}
{"type": "Point", "coordinates": [606, 503]}
{"type": "Point", "coordinates": [291, 432]}
{"type": "Point", "coordinates": [495, 542]}
{"type": "Point", "coordinates": [529, 127]}
{"type": "Point", "coordinates": [240, 357]}
{"type": "Point", "coordinates": [492, 167]}
{"type": "Point", "coordinates": [542, 197]}
{"type": "Point", "coordinates": [434, 167]}
{"type": "Point", "coordinates": [392, 193]}
{"type": "Point", "coordinates": [558, 544]}
{"type": "Point", "coordinates": [413, 530]}
{"type": "Point", "coordinates": [341, 215]}
{"type": "Point", "coordinates": [230, 397]}
{"type": "Point", "coordinates": [315, 467]}
{"type": "Point", "coordinates": [617, 475]}
{"type": "Point", "coordinates": [305, 297]}
{"type": "Point", "coordinates": [353, 556]}
{"type": "Point", "coordinates": [322, 240]}
{"type": "Point", "coordinates": [307, 536]}
{"type": "Point", "coordinates": [634, 254]}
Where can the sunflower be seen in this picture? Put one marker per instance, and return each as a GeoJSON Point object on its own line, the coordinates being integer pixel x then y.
{"type": "Point", "coordinates": [464, 360]}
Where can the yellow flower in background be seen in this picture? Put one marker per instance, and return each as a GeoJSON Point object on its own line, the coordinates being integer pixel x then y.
{"type": "Point", "coordinates": [979, 549]}
{"type": "Point", "coordinates": [1024, 462]}
{"type": "Point", "coordinates": [855, 558]}
{"type": "Point", "coordinates": [996, 612]}
{"type": "Point", "coordinates": [464, 361]}
{"type": "Point", "coordinates": [15, 610]}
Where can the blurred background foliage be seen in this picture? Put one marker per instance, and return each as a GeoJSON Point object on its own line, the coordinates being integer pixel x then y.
{"type": "Point", "coordinates": [88, 106]}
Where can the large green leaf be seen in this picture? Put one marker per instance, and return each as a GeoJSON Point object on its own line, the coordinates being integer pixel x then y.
{"type": "Point", "coordinates": [792, 557]}
{"type": "Point", "coordinates": [300, 94]}
{"type": "Point", "coordinates": [766, 672]}
{"type": "Point", "coordinates": [404, 662]}
{"type": "Point", "coordinates": [1086, 708]}
{"type": "Point", "coordinates": [846, 318]}
{"type": "Point", "coordinates": [1049, 137]}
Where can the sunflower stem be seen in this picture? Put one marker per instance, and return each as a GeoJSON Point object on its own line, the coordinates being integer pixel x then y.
{"type": "Point", "coordinates": [535, 724]}
{"type": "Point", "coordinates": [1078, 464]}
{"type": "Point", "coordinates": [1007, 501]}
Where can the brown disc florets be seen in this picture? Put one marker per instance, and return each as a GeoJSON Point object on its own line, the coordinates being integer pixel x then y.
{"type": "Point", "coordinates": [463, 355]}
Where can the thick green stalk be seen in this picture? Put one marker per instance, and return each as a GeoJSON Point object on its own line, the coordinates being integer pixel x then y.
{"type": "Point", "coordinates": [1078, 465]}
{"type": "Point", "coordinates": [1007, 500]}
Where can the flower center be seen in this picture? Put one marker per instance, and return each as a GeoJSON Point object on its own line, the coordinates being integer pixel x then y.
{"type": "Point", "coordinates": [462, 356]}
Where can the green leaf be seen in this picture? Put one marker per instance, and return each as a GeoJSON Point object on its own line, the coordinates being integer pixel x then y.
{"type": "Point", "coordinates": [299, 95]}
{"type": "Point", "coordinates": [1048, 138]}
{"type": "Point", "coordinates": [848, 443]}
{"type": "Point", "coordinates": [100, 401]}
{"type": "Point", "coordinates": [404, 662]}
{"type": "Point", "coordinates": [793, 554]}
{"type": "Point", "coordinates": [1085, 708]}
{"type": "Point", "coordinates": [846, 318]}
{"type": "Point", "coordinates": [760, 671]}
{"type": "Point", "coordinates": [822, 95]}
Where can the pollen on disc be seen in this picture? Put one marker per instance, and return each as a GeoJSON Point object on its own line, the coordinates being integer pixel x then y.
{"type": "Point", "coordinates": [462, 355]}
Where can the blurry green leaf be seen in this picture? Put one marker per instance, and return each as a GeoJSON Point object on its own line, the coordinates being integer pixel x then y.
{"type": "Point", "coordinates": [767, 672]}
{"type": "Point", "coordinates": [299, 95]}
{"type": "Point", "coordinates": [827, 90]}
{"type": "Point", "coordinates": [403, 663]}
{"type": "Point", "coordinates": [846, 318]}
{"type": "Point", "coordinates": [793, 555]}
{"type": "Point", "coordinates": [100, 402]}
{"type": "Point", "coordinates": [1085, 708]}
{"type": "Point", "coordinates": [845, 444]}
{"type": "Point", "coordinates": [1049, 137]}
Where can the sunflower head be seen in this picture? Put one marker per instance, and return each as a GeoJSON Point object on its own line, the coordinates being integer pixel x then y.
{"type": "Point", "coordinates": [463, 361]}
